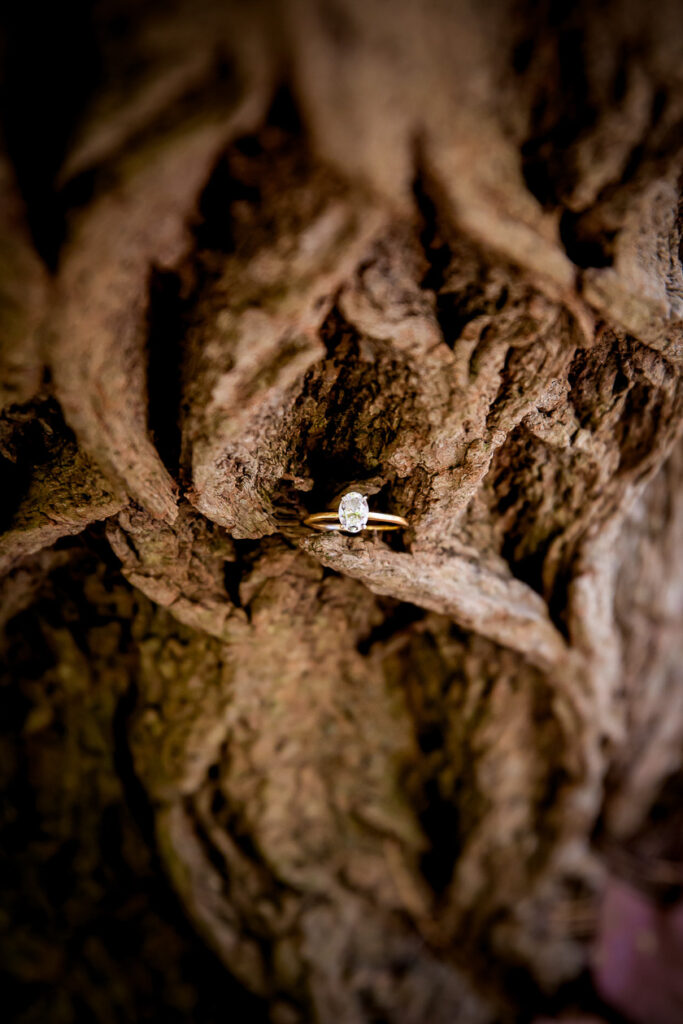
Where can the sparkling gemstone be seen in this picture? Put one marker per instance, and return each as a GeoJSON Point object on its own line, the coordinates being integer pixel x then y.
{"type": "Point", "coordinates": [353, 512]}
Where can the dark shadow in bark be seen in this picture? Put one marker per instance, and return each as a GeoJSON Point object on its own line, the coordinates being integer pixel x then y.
{"type": "Point", "coordinates": [50, 64]}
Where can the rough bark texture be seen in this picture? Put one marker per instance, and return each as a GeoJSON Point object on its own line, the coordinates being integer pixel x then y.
{"type": "Point", "coordinates": [266, 254]}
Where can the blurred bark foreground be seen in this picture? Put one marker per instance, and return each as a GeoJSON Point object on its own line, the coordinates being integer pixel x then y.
{"type": "Point", "coordinates": [266, 254]}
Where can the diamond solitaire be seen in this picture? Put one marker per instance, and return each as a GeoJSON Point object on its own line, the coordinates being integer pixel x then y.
{"type": "Point", "coordinates": [353, 512]}
{"type": "Point", "coordinates": [353, 516]}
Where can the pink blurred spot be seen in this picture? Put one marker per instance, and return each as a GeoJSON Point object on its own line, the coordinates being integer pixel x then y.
{"type": "Point", "coordinates": [638, 961]}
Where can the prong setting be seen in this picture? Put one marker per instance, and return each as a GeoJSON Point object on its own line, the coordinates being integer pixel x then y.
{"type": "Point", "coordinates": [353, 512]}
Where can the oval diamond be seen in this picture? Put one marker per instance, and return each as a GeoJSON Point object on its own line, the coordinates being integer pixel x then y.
{"type": "Point", "coordinates": [353, 512]}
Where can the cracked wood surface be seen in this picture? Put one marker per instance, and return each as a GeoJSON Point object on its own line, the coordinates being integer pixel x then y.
{"type": "Point", "coordinates": [321, 250]}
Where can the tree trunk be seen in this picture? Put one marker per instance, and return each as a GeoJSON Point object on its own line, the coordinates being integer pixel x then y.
{"type": "Point", "coordinates": [256, 256]}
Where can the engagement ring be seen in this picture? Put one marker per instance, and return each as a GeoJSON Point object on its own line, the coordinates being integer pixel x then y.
{"type": "Point", "coordinates": [353, 516]}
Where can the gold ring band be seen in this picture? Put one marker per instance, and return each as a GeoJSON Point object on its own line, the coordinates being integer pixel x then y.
{"type": "Point", "coordinates": [353, 515]}
{"type": "Point", "coordinates": [327, 521]}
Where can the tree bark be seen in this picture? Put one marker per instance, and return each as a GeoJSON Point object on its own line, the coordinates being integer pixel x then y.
{"type": "Point", "coordinates": [256, 256]}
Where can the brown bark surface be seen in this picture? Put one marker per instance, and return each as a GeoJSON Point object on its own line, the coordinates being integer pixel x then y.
{"type": "Point", "coordinates": [261, 255]}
